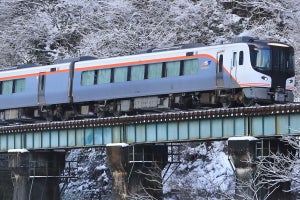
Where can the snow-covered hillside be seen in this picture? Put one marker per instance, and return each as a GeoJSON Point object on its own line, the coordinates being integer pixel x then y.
{"type": "Point", "coordinates": [92, 179]}
{"type": "Point", "coordinates": [205, 173]}
{"type": "Point", "coordinates": [40, 31]}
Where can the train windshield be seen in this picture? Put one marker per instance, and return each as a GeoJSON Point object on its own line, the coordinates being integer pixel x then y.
{"type": "Point", "coordinates": [273, 58]}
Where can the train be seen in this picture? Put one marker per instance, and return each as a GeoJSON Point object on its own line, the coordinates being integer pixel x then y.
{"type": "Point", "coordinates": [243, 72]}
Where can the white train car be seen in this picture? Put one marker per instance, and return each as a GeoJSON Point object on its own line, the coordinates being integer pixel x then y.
{"type": "Point", "coordinates": [243, 72]}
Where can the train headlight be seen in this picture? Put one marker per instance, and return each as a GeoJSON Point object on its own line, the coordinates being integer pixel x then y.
{"type": "Point", "coordinates": [264, 78]}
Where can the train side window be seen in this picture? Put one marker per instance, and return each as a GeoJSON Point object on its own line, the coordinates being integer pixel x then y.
{"type": "Point", "coordinates": [120, 74]}
{"type": "Point", "coordinates": [137, 72]}
{"type": "Point", "coordinates": [42, 82]}
{"type": "Point", "coordinates": [234, 62]}
{"type": "Point", "coordinates": [155, 70]}
{"type": "Point", "coordinates": [7, 87]}
{"type": "Point", "coordinates": [103, 76]}
{"type": "Point", "coordinates": [19, 85]}
{"type": "Point", "coordinates": [164, 71]}
{"type": "Point", "coordinates": [96, 76]}
{"type": "Point", "coordinates": [241, 58]}
{"type": "Point", "coordinates": [87, 78]}
{"type": "Point", "coordinates": [190, 67]}
{"type": "Point", "coordinates": [220, 66]}
{"type": "Point", "coordinates": [181, 68]}
{"type": "Point", "coordinates": [172, 68]}
{"type": "Point", "coordinates": [146, 71]}
{"type": "Point", "coordinates": [128, 73]}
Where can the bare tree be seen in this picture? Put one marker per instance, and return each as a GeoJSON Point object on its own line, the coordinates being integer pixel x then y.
{"type": "Point", "coordinates": [150, 186]}
{"type": "Point", "coordinates": [274, 171]}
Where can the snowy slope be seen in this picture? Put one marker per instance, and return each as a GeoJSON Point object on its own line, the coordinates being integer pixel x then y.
{"type": "Point", "coordinates": [92, 179]}
{"type": "Point", "coordinates": [205, 172]}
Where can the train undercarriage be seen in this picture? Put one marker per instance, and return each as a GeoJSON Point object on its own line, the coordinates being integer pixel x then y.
{"type": "Point", "coordinates": [130, 106]}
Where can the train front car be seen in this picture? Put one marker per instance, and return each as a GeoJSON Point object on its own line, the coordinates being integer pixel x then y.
{"type": "Point", "coordinates": [275, 62]}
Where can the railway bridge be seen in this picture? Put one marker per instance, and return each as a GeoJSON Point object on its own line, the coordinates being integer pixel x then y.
{"type": "Point", "coordinates": [133, 142]}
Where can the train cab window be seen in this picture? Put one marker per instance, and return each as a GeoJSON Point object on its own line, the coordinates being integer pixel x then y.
{"type": "Point", "coordinates": [241, 58]}
{"type": "Point", "coordinates": [19, 85]}
{"type": "Point", "coordinates": [172, 68]}
{"type": "Point", "coordinates": [104, 76]}
{"type": "Point", "coordinates": [7, 87]}
{"type": "Point", "coordinates": [234, 59]}
{"type": "Point", "coordinates": [190, 67]}
{"type": "Point", "coordinates": [260, 58]}
{"type": "Point", "coordinates": [87, 78]}
{"type": "Point", "coordinates": [155, 70]}
{"type": "Point", "coordinates": [120, 74]}
{"type": "Point", "coordinates": [137, 72]}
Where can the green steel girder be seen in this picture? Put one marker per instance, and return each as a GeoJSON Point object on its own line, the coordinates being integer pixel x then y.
{"type": "Point", "coordinates": [154, 132]}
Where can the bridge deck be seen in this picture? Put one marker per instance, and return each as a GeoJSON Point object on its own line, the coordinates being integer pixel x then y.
{"type": "Point", "coordinates": [166, 127]}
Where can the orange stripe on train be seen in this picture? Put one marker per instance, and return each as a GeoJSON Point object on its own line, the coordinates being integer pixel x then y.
{"type": "Point", "coordinates": [111, 66]}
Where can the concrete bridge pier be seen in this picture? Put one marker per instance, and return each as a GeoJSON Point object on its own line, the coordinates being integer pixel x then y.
{"type": "Point", "coordinates": [241, 152]}
{"type": "Point", "coordinates": [6, 186]}
{"type": "Point", "coordinates": [244, 154]}
{"type": "Point", "coordinates": [36, 174]}
{"type": "Point", "coordinates": [18, 163]}
{"type": "Point", "coordinates": [136, 170]}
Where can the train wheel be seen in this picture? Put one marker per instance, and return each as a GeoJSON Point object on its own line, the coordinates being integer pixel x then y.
{"type": "Point", "coordinates": [248, 102]}
{"type": "Point", "coordinates": [60, 114]}
{"type": "Point", "coordinates": [101, 114]}
{"type": "Point", "coordinates": [48, 116]}
{"type": "Point", "coordinates": [63, 117]}
{"type": "Point", "coordinates": [117, 113]}
{"type": "Point", "coordinates": [226, 104]}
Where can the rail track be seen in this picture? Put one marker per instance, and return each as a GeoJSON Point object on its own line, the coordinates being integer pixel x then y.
{"type": "Point", "coordinates": [152, 118]}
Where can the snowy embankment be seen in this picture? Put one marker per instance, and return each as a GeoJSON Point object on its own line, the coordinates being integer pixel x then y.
{"type": "Point", "coordinates": [205, 172]}
{"type": "Point", "coordinates": [92, 180]}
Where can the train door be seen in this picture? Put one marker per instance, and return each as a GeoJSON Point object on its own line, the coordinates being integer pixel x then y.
{"type": "Point", "coordinates": [219, 70]}
{"type": "Point", "coordinates": [41, 89]}
{"type": "Point", "coordinates": [236, 65]}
